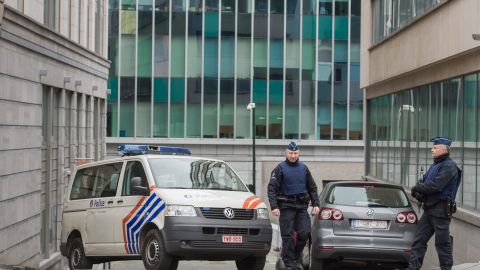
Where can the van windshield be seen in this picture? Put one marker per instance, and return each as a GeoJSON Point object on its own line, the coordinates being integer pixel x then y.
{"type": "Point", "coordinates": [194, 174]}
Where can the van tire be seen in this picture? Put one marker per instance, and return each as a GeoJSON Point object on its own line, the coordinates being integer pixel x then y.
{"type": "Point", "coordinates": [76, 255]}
{"type": "Point", "coordinates": [251, 263]}
{"type": "Point", "coordinates": [153, 252]}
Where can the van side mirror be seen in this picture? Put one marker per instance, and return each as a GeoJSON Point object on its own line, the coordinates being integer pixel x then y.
{"type": "Point", "coordinates": [137, 188]}
{"type": "Point", "coordinates": [251, 187]}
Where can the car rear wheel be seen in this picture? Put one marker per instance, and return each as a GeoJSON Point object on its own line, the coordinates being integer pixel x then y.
{"type": "Point", "coordinates": [76, 256]}
{"type": "Point", "coordinates": [251, 263]}
{"type": "Point", "coordinates": [153, 252]}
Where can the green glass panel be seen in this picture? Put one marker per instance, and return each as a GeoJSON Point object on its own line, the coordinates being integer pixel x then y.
{"type": "Point", "coordinates": [177, 99]}
{"type": "Point", "coordinates": [160, 107]}
{"type": "Point", "coordinates": [260, 52]}
{"type": "Point", "coordinates": [292, 116]}
{"type": "Point", "coordinates": [226, 109]}
{"type": "Point", "coordinates": [341, 51]}
{"type": "Point", "coordinates": [242, 128]}
{"type": "Point", "coordinates": [194, 115]}
{"type": "Point", "coordinates": [308, 59]}
{"type": "Point", "coordinates": [356, 103]}
{"type": "Point", "coordinates": [276, 109]}
{"type": "Point", "coordinates": [324, 27]}
{"type": "Point", "coordinates": [308, 27]}
{"type": "Point", "coordinates": [210, 108]}
{"type": "Point", "coordinates": [112, 107]}
{"type": "Point", "coordinates": [341, 27]}
{"type": "Point", "coordinates": [292, 53]}
{"type": "Point", "coordinates": [243, 58]}
{"type": "Point", "coordinates": [211, 57]}
{"type": "Point", "coordinates": [324, 105]}
{"type": "Point", "coordinates": [260, 99]}
{"type": "Point", "coordinates": [194, 64]}
{"type": "Point", "coordinates": [276, 53]}
{"type": "Point", "coordinates": [227, 63]}
{"type": "Point", "coordinates": [178, 53]}
{"type": "Point", "coordinates": [211, 24]}
{"type": "Point", "coordinates": [470, 105]}
{"type": "Point", "coordinates": [307, 107]}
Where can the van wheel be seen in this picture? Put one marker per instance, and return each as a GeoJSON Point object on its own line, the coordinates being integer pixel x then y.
{"type": "Point", "coordinates": [251, 263]}
{"type": "Point", "coordinates": [153, 252]}
{"type": "Point", "coordinates": [76, 256]}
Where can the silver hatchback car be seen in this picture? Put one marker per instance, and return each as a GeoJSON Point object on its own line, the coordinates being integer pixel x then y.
{"type": "Point", "coordinates": [359, 221]}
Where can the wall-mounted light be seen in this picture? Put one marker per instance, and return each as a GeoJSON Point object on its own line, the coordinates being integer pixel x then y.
{"type": "Point", "coordinates": [78, 83]}
{"type": "Point", "coordinates": [94, 88]}
{"type": "Point", "coordinates": [43, 72]}
{"type": "Point", "coordinates": [67, 79]}
{"type": "Point", "coordinates": [476, 37]}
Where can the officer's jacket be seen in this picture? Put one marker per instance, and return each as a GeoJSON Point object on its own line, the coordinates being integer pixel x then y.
{"type": "Point", "coordinates": [441, 181]}
{"type": "Point", "coordinates": [275, 187]}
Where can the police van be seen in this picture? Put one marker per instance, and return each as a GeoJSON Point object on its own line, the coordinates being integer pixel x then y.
{"type": "Point", "coordinates": [161, 209]}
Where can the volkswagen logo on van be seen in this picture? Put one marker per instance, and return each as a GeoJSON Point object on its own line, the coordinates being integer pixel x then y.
{"type": "Point", "coordinates": [229, 213]}
{"type": "Point", "coordinates": [370, 212]}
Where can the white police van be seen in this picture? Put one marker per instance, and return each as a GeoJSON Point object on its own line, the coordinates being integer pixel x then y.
{"type": "Point", "coordinates": [162, 209]}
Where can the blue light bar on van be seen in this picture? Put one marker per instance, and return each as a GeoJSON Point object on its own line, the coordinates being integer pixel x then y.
{"type": "Point", "coordinates": [132, 150]}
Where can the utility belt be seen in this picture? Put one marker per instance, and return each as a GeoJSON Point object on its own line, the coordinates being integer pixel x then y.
{"type": "Point", "coordinates": [450, 206]}
{"type": "Point", "coordinates": [294, 199]}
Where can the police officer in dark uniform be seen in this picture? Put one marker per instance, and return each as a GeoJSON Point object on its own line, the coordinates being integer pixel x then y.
{"type": "Point", "coordinates": [437, 190]}
{"type": "Point", "coordinates": [290, 189]}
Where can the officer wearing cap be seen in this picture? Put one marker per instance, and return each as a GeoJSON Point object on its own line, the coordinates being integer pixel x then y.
{"type": "Point", "coordinates": [290, 189]}
{"type": "Point", "coordinates": [438, 190]}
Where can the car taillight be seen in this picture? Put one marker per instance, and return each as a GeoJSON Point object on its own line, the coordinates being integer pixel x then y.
{"type": "Point", "coordinates": [407, 217]}
{"type": "Point", "coordinates": [330, 214]}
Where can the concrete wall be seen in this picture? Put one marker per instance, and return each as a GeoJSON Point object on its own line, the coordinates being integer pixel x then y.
{"type": "Point", "coordinates": [34, 159]}
{"type": "Point", "coordinates": [424, 51]}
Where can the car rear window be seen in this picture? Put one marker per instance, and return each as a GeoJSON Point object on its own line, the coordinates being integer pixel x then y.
{"type": "Point", "coordinates": [368, 195]}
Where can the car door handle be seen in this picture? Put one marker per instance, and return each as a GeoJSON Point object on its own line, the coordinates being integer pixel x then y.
{"type": "Point", "coordinates": [110, 202]}
{"type": "Point", "coordinates": [120, 201]}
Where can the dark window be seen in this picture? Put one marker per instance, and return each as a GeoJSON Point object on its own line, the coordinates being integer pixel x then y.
{"type": "Point", "coordinates": [133, 169]}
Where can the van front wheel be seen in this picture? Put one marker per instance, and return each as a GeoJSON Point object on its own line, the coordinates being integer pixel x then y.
{"type": "Point", "coordinates": [153, 252]}
{"type": "Point", "coordinates": [251, 263]}
{"type": "Point", "coordinates": [76, 256]}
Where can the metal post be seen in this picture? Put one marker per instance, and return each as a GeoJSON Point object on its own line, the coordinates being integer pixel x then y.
{"type": "Point", "coordinates": [253, 150]}
{"type": "Point", "coordinates": [251, 107]}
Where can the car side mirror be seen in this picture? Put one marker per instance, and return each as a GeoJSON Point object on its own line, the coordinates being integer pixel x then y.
{"type": "Point", "coordinates": [137, 188]}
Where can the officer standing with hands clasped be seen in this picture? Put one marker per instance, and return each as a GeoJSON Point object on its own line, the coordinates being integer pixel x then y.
{"type": "Point", "coordinates": [290, 189]}
{"type": "Point", "coordinates": [437, 191]}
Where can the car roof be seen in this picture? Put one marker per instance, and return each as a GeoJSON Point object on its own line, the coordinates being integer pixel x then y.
{"type": "Point", "coordinates": [362, 183]}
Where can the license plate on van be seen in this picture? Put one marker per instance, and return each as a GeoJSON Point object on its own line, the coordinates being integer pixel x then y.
{"type": "Point", "coordinates": [232, 239]}
{"type": "Point", "coordinates": [369, 224]}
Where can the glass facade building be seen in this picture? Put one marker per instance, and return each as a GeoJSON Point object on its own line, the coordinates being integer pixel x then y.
{"type": "Point", "coordinates": [401, 125]}
{"type": "Point", "coordinates": [188, 69]}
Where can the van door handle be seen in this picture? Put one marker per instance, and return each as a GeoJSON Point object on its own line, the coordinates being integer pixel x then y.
{"type": "Point", "coordinates": [120, 201]}
{"type": "Point", "coordinates": [110, 202]}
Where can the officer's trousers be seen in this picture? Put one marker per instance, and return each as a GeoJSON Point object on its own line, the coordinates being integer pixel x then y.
{"type": "Point", "coordinates": [432, 221]}
{"type": "Point", "coordinates": [293, 220]}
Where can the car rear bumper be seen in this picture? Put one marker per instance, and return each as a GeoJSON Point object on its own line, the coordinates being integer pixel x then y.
{"type": "Point", "coordinates": [201, 238]}
{"type": "Point", "coordinates": [362, 254]}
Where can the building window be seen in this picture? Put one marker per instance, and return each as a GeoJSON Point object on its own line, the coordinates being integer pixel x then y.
{"type": "Point", "coordinates": [51, 14]}
{"type": "Point", "coordinates": [401, 125]}
{"type": "Point", "coordinates": [391, 15]}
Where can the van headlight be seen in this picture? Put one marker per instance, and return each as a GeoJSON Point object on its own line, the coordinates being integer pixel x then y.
{"type": "Point", "coordinates": [262, 213]}
{"type": "Point", "coordinates": [180, 211]}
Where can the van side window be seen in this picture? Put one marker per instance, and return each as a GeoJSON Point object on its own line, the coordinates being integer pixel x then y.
{"type": "Point", "coordinates": [133, 169]}
{"type": "Point", "coordinates": [106, 180]}
{"type": "Point", "coordinates": [82, 187]}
